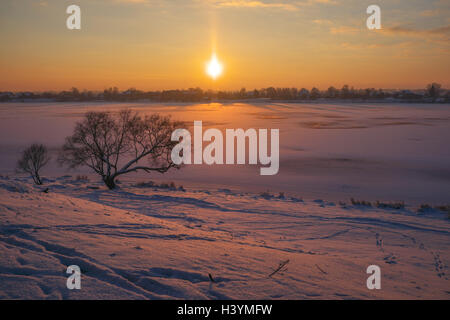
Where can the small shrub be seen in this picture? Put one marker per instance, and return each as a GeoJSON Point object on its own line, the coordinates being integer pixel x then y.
{"type": "Point", "coordinates": [266, 195]}
{"type": "Point", "coordinates": [293, 199]}
{"type": "Point", "coordinates": [424, 207]}
{"type": "Point", "coordinates": [444, 208]}
{"type": "Point", "coordinates": [82, 178]}
{"type": "Point", "coordinates": [164, 186]}
{"type": "Point", "coordinates": [361, 203]}
{"type": "Point", "coordinates": [427, 208]}
{"type": "Point", "coordinates": [389, 205]}
{"type": "Point", "coordinates": [142, 184]}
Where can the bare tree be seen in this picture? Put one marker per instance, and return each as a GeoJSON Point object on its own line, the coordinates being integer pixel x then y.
{"type": "Point", "coordinates": [33, 159]}
{"type": "Point", "coordinates": [113, 145]}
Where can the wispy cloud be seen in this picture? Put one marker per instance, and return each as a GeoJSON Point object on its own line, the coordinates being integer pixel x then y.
{"type": "Point", "coordinates": [316, 2]}
{"type": "Point", "coordinates": [144, 3]}
{"type": "Point", "coordinates": [256, 4]}
{"type": "Point", "coordinates": [40, 3]}
{"type": "Point", "coordinates": [265, 4]}
{"type": "Point", "coordinates": [431, 13]}
{"type": "Point", "coordinates": [403, 30]}
{"type": "Point", "coordinates": [344, 30]}
{"type": "Point", "coordinates": [322, 22]}
{"type": "Point", "coordinates": [132, 1]}
{"type": "Point", "coordinates": [436, 33]}
{"type": "Point", "coordinates": [364, 46]}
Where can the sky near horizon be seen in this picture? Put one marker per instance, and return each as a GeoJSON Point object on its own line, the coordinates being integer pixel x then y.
{"type": "Point", "coordinates": [164, 44]}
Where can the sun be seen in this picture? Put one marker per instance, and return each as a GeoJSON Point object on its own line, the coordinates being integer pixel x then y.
{"type": "Point", "coordinates": [214, 68]}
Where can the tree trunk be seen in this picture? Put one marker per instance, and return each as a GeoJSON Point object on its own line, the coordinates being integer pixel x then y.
{"type": "Point", "coordinates": [38, 179]}
{"type": "Point", "coordinates": [110, 183]}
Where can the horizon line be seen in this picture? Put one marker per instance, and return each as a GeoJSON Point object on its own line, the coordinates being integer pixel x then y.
{"type": "Point", "coordinates": [351, 87]}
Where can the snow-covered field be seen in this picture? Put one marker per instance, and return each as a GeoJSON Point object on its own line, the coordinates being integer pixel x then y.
{"type": "Point", "coordinates": [154, 243]}
{"type": "Point", "coordinates": [220, 238]}
{"type": "Point", "coordinates": [333, 151]}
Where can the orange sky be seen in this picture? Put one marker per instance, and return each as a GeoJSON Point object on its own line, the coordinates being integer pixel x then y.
{"type": "Point", "coordinates": [165, 44]}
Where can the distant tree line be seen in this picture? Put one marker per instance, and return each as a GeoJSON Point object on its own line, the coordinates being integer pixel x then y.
{"type": "Point", "coordinates": [432, 93]}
